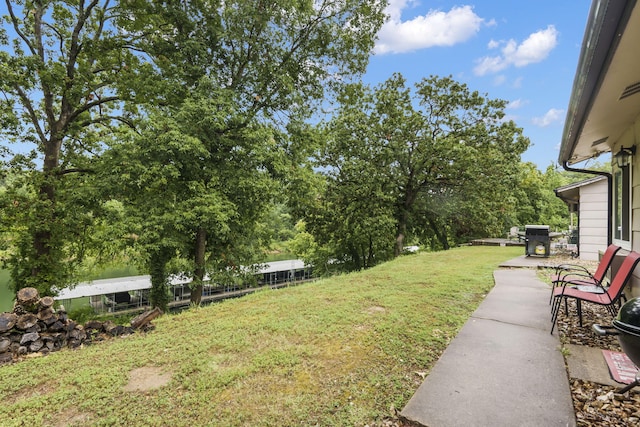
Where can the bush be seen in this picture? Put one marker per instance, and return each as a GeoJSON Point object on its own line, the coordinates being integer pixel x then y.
{"type": "Point", "coordinates": [83, 314]}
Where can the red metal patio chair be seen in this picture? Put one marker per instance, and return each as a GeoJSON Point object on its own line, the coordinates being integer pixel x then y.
{"type": "Point", "coordinates": [577, 275]}
{"type": "Point", "coordinates": [608, 298]}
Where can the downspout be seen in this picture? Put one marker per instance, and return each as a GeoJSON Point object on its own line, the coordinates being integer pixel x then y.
{"type": "Point", "coordinates": [609, 176]}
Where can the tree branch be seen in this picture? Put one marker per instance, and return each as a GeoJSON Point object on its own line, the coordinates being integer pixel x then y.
{"type": "Point", "coordinates": [90, 105]}
{"type": "Point", "coordinates": [105, 119]}
{"type": "Point", "coordinates": [26, 102]}
{"type": "Point", "coordinates": [74, 50]}
{"type": "Point", "coordinates": [16, 28]}
{"type": "Point", "coordinates": [75, 170]}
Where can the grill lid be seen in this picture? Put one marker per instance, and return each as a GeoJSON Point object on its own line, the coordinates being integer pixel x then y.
{"type": "Point", "coordinates": [628, 317]}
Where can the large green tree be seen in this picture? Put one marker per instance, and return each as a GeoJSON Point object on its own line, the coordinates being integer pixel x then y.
{"type": "Point", "coordinates": [247, 67]}
{"type": "Point", "coordinates": [68, 76]}
{"type": "Point", "coordinates": [73, 70]}
{"type": "Point", "coordinates": [275, 56]}
{"type": "Point", "coordinates": [192, 195]}
{"type": "Point", "coordinates": [425, 162]}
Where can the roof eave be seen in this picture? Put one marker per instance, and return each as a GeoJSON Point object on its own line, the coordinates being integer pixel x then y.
{"type": "Point", "coordinates": [606, 22]}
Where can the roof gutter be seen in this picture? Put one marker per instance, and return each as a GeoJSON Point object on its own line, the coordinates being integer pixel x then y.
{"type": "Point", "coordinates": [606, 22]}
{"type": "Point", "coordinates": [609, 176]}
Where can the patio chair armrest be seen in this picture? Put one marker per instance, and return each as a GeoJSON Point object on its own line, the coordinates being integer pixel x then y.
{"type": "Point", "coordinates": [575, 282]}
{"type": "Point", "coordinates": [570, 267]}
{"type": "Point", "coordinates": [570, 275]}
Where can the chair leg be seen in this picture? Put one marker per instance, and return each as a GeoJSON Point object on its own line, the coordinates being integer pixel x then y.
{"type": "Point", "coordinates": [579, 305]}
{"type": "Point", "coordinates": [553, 286]}
{"type": "Point", "coordinates": [554, 314]}
{"type": "Point", "coordinates": [556, 305]}
{"type": "Point", "coordinates": [555, 310]}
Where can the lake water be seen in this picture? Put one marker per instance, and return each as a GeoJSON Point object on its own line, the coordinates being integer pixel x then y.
{"type": "Point", "coordinates": [6, 294]}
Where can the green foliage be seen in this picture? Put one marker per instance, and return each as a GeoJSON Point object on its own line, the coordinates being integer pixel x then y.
{"type": "Point", "coordinates": [82, 314]}
{"type": "Point", "coordinates": [158, 259]}
{"type": "Point", "coordinates": [305, 247]}
{"type": "Point", "coordinates": [278, 223]}
{"type": "Point", "coordinates": [6, 293]}
{"type": "Point", "coordinates": [212, 177]}
{"type": "Point", "coordinates": [219, 72]}
{"type": "Point", "coordinates": [434, 164]}
{"type": "Point", "coordinates": [275, 56]}
{"type": "Point", "coordinates": [64, 70]}
{"type": "Point", "coordinates": [536, 202]}
{"type": "Point", "coordinates": [27, 216]}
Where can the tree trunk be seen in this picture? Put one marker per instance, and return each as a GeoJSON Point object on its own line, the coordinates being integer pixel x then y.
{"type": "Point", "coordinates": [7, 321]}
{"type": "Point", "coordinates": [355, 256]}
{"type": "Point", "coordinates": [403, 219]}
{"type": "Point", "coordinates": [27, 320]}
{"type": "Point", "coordinates": [399, 246]}
{"type": "Point", "coordinates": [27, 296]}
{"type": "Point", "coordinates": [400, 235]}
{"type": "Point", "coordinates": [159, 294]}
{"type": "Point", "coordinates": [43, 267]}
{"type": "Point", "coordinates": [441, 234]}
{"type": "Point", "coordinates": [46, 302]}
{"type": "Point", "coordinates": [198, 274]}
{"type": "Point", "coordinates": [47, 315]}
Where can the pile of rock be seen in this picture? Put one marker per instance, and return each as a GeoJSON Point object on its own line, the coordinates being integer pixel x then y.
{"type": "Point", "coordinates": [34, 326]}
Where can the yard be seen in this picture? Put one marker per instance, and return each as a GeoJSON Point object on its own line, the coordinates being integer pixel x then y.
{"type": "Point", "coordinates": [349, 350]}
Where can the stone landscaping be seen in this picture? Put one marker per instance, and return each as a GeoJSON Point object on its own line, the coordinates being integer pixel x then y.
{"type": "Point", "coordinates": [597, 404]}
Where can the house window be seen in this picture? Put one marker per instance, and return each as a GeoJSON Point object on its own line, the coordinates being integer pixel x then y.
{"type": "Point", "coordinates": [622, 205]}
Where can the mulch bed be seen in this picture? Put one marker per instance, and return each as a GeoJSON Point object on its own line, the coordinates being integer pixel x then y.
{"type": "Point", "coordinates": [597, 404]}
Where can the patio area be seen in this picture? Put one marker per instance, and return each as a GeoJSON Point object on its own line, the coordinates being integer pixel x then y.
{"type": "Point", "coordinates": [504, 368]}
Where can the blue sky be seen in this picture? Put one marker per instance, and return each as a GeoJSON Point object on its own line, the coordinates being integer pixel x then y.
{"type": "Point", "coordinates": [522, 51]}
{"type": "Point", "coordinates": [525, 52]}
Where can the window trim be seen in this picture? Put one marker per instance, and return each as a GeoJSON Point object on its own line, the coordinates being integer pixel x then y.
{"type": "Point", "coordinates": [622, 204]}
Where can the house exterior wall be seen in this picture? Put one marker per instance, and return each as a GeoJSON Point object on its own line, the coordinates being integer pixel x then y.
{"type": "Point", "coordinates": [593, 219]}
{"type": "Point", "coordinates": [627, 140]}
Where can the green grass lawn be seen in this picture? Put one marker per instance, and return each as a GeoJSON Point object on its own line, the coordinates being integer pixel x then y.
{"type": "Point", "coordinates": [345, 351]}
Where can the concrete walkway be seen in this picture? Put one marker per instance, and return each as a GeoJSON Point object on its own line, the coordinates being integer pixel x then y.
{"type": "Point", "coordinates": [503, 368]}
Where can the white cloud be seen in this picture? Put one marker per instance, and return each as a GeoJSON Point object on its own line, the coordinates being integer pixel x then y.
{"type": "Point", "coordinates": [436, 28]}
{"type": "Point", "coordinates": [552, 116]}
{"type": "Point", "coordinates": [489, 64]}
{"type": "Point", "coordinates": [516, 103]}
{"type": "Point", "coordinates": [532, 50]}
{"type": "Point", "coordinates": [510, 118]}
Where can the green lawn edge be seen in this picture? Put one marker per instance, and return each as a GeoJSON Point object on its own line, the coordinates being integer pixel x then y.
{"type": "Point", "coordinates": [347, 350]}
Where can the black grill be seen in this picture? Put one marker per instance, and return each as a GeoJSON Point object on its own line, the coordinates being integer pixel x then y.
{"type": "Point", "coordinates": [536, 238]}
